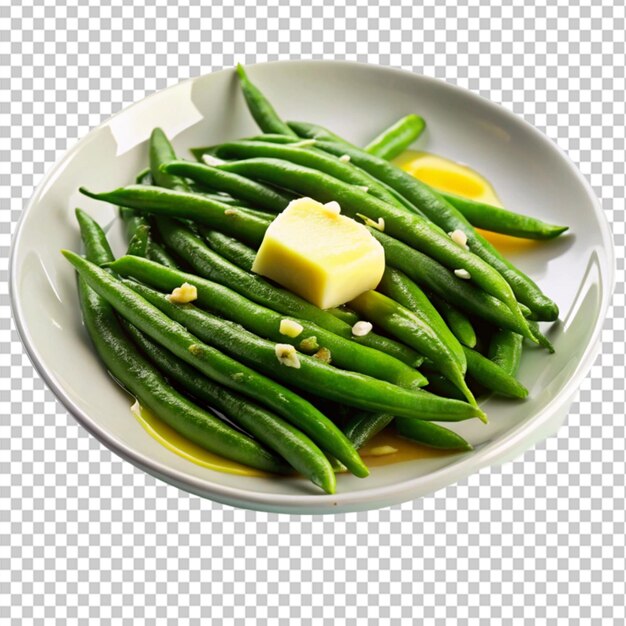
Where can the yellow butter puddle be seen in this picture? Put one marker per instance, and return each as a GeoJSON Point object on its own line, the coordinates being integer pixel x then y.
{"type": "Point", "coordinates": [406, 450]}
{"type": "Point", "coordinates": [180, 445]}
{"type": "Point", "coordinates": [456, 178]}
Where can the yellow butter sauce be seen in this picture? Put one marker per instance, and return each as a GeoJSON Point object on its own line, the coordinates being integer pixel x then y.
{"type": "Point", "coordinates": [180, 445]}
{"type": "Point", "coordinates": [168, 437]}
{"type": "Point", "coordinates": [456, 178]}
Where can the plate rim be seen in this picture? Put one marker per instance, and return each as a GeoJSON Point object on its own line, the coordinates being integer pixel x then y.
{"type": "Point", "coordinates": [498, 451]}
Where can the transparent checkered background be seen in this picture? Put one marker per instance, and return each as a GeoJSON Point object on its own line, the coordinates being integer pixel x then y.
{"type": "Point", "coordinates": [86, 537]}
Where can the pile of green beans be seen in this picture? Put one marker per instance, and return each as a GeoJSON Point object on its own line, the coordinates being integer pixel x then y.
{"type": "Point", "coordinates": [222, 354]}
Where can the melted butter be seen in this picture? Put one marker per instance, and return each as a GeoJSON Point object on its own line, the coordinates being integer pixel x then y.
{"type": "Point", "coordinates": [180, 445]}
{"type": "Point", "coordinates": [451, 177]}
{"type": "Point", "coordinates": [448, 176]}
{"type": "Point", "coordinates": [407, 450]}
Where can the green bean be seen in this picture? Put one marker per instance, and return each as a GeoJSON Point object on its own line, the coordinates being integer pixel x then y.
{"type": "Point", "coordinates": [543, 341]}
{"type": "Point", "coordinates": [410, 228]}
{"type": "Point", "coordinates": [363, 426]}
{"type": "Point", "coordinates": [217, 366]}
{"type": "Point", "coordinates": [97, 248]}
{"type": "Point", "coordinates": [499, 220]}
{"type": "Point", "coordinates": [211, 265]}
{"type": "Point", "coordinates": [158, 254]}
{"type": "Point", "coordinates": [161, 151]}
{"type": "Point", "coordinates": [198, 153]}
{"type": "Point", "coordinates": [266, 323]}
{"type": "Point", "coordinates": [143, 381]}
{"type": "Point", "coordinates": [457, 322]}
{"type": "Point", "coordinates": [308, 157]}
{"type": "Point", "coordinates": [344, 314]}
{"type": "Point", "coordinates": [314, 131]}
{"type": "Point", "coordinates": [505, 350]}
{"type": "Point", "coordinates": [237, 186]}
{"type": "Point", "coordinates": [433, 435]}
{"type": "Point", "coordinates": [260, 108]}
{"type": "Point", "coordinates": [441, 386]}
{"type": "Point", "coordinates": [397, 138]}
{"type": "Point", "coordinates": [408, 327]}
{"type": "Point", "coordinates": [399, 287]}
{"type": "Point", "coordinates": [160, 201]}
{"type": "Point", "coordinates": [277, 434]}
{"type": "Point", "coordinates": [449, 219]}
{"type": "Point", "coordinates": [306, 372]}
{"type": "Point", "coordinates": [140, 241]}
{"type": "Point", "coordinates": [432, 276]}
{"type": "Point", "coordinates": [493, 377]}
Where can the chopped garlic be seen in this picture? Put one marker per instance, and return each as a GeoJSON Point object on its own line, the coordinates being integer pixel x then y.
{"type": "Point", "coordinates": [464, 274]}
{"type": "Point", "coordinates": [378, 225]}
{"type": "Point", "coordinates": [305, 143]}
{"type": "Point", "coordinates": [309, 344]}
{"type": "Point", "coordinates": [287, 355]}
{"type": "Point", "coordinates": [383, 450]}
{"type": "Point", "coordinates": [230, 212]}
{"type": "Point", "coordinates": [333, 207]}
{"type": "Point", "coordinates": [209, 159]}
{"type": "Point", "coordinates": [184, 294]}
{"type": "Point", "coordinates": [290, 328]}
{"type": "Point", "coordinates": [324, 355]}
{"type": "Point", "coordinates": [363, 188]}
{"type": "Point", "coordinates": [237, 376]}
{"type": "Point", "coordinates": [360, 329]}
{"type": "Point", "coordinates": [459, 237]}
{"type": "Point", "coordinates": [345, 158]}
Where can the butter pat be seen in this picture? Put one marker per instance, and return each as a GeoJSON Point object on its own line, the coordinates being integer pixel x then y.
{"type": "Point", "coordinates": [323, 256]}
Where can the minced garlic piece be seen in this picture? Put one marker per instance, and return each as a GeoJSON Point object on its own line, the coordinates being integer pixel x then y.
{"type": "Point", "coordinates": [464, 274]}
{"type": "Point", "coordinates": [231, 212]}
{"type": "Point", "coordinates": [184, 294]}
{"type": "Point", "coordinates": [324, 355]}
{"type": "Point", "coordinates": [459, 237]}
{"type": "Point", "coordinates": [360, 329]}
{"type": "Point", "coordinates": [363, 188]}
{"type": "Point", "coordinates": [287, 355]}
{"type": "Point", "coordinates": [345, 158]}
{"type": "Point", "coordinates": [290, 328]}
{"type": "Point", "coordinates": [309, 344]}
{"type": "Point", "coordinates": [378, 225]}
{"type": "Point", "coordinates": [383, 450]}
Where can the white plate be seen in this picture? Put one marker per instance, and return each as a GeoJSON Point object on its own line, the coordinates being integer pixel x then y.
{"type": "Point", "coordinates": [529, 172]}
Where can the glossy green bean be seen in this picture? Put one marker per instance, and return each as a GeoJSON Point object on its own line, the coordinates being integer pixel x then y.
{"type": "Point", "coordinates": [399, 287]}
{"type": "Point", "coordinates": [493, 377]}
{"type": "Point", "coordinates": [433, 436]}
{"type": "Point", "coordinates": [499, 220]}
{"type": "Point", "coordinates": [397, 138]}
{"type": "Point", "coordinates": [457, 322]}
{"type": "Point", "coordinates": [308, 157]}
{"type": "Point", "coordinates": [433, 276]}
{"type": "Point", "coordinates": [140, 241]}
{"type": "Point", "coordinates": [160, 201]}
{"type": "Point", "coordinates": [505, 350]}
{"type": "Point", "coordinates": [406, 326]}
{"type": "Point", "coordinates": [277, 434]}
{"type": "Point", "coordinates": [239, 187]}
{"type": "Point", "coordinates": [309, 373]}
{"type": "Point", "coordinates": [364, 425]}
{"type": "Point", "coordinates": [266, 323]}
{"type": "Point", "coordinates": [161, 152]}
{"type": "Point", "coordinates": [217, 366]}
{"type": "Point", "coordinates": [158, 254]}
{"type": "Point", "coordinates": [260, 108]}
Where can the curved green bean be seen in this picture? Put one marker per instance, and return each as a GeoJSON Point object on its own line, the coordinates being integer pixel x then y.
{"type": "Point", "coordinates": [397, 138]}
